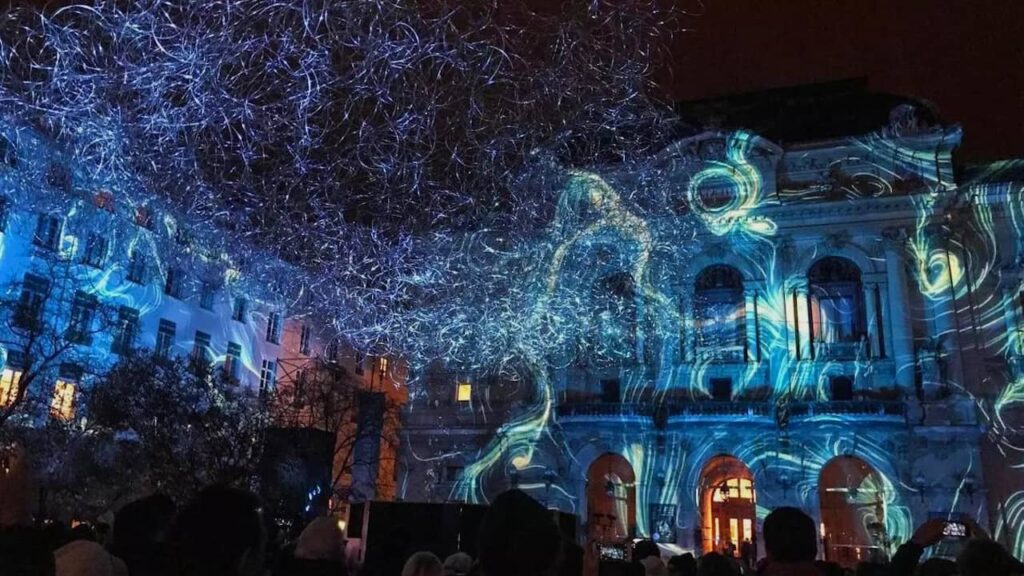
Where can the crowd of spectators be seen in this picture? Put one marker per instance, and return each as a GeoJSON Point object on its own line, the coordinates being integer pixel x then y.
{"type": "Point", "coordinates": [222, 532]}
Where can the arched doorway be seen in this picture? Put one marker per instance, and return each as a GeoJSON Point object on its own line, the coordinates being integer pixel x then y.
{"type": "Point", "coordinates": [852, 500]}
{"type": "Point", "coordinates": [611, 500]}
{"type": "Point", "coordinates": [728, 506]}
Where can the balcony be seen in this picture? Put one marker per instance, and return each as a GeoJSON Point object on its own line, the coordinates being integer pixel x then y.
{"type": "Point", "coordinates": [589, 410]}
{"type": "Point", "coordinates": [747, 411]}
{"type": "Point", "coordinates": [669, 411]}
{"type": "Point", "coordinates": [863, 409]}
{"type": "Point", "coordinates": [729, 409]}
{"type": "Point", "coordinates": [847, 350]}
{"type": "Point", "coordinates": [720, 354]}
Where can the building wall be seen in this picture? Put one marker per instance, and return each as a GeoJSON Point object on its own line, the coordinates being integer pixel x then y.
{"type": "Point", "coordinates": [933, 367]}
{"type": "Point", "coordinates": [37, 180]}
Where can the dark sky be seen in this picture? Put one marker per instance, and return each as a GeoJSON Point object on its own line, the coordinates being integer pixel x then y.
{"type": "Point", "coordinates": [965, 56]}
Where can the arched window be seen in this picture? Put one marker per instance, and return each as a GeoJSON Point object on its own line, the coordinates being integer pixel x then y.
{"type": "Point", "coordinates": [718, 311]}
{"type": "Point", "coordinates": [614, 298]}
{"type": "Point", "coordinates": [836, 301]}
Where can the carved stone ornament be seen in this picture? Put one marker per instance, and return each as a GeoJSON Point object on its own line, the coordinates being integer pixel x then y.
{"type": "Point", "coordinates": [838, 240]}
{"type": "Point", "coordinates": [714, 250]}
{"type": "Point", "coordinates": [785, 250]}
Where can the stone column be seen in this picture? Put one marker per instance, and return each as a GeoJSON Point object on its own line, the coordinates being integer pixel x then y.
{"type": "Point", "coordinates": [885, 349]}
{"type": "Point", "coordinates": [753, 351]}
{"type": "Point", "coordinates": [803, 323]}
{"type": "Point", "coordinates": [686, 326]}
{"type": "Point", "coordinates": [942, 304]}
{"type": "Point", "coordinates": [871, 315]}
{"type": "Point", "coordinates": [899, 305]}
{"type": "Point", "coordinates": [1011, 316]}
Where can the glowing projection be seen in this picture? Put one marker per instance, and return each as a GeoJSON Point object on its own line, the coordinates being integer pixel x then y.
{"type": "Point", "coordinates": [743, 184]}
{"type": "Point", "coordinates": [427, 187]}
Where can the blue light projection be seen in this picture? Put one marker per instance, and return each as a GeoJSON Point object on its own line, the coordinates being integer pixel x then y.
{"type": "Point", "coordinates": [418, 186]}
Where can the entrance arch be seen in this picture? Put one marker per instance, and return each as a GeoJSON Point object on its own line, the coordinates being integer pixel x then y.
{"type": "Point", "coordinates": [727, 505]}
{"type": "Point", "coordinates": [852, 500]}
{"type": "Point", "coordinates": [611, 500]}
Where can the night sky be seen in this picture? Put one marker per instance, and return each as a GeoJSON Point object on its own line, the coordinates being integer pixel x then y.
{"type": "Point", "coordinates": [967, 57]}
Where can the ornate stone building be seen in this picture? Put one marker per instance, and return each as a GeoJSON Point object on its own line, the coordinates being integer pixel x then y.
{"type": "Point", "coordinates": [846, 340]}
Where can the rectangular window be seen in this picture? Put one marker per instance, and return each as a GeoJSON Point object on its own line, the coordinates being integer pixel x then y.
{"type": "Point", "coordinates": [463, 392]}
{"type": "Point", "coordinates": [305, 334]}
{"type": "Point", "coordinates": [206, 293]}
{"type": "Point", "coordinates": [34, 290]}
{"type": "Point", "coordinates": [240, 309]}
{"type": "Point", "coordinates": [126, 331]}
{"type": "Point", "coordinates": [734, 530]}
{"type": "Point", "coordinates": [721, 389]}
{"type": "Point", "coordinates": [452, 473]}
{"type": "Point", "coordinates": [331, 351]}
{"type": "Point", "coordinates": [360, 359]}
{"type": "Point", "coordinates": [233, 362]}
{"type": "Point", "coordinates": [274, 327]}
{"type": "Point", "coordinates": [143, 217]}
{"type": "Point", "coordinates": [841, 388]}
{"type": "Point", "coordinates": [10, 382]}
{"type": "Point", "coordinates": [382, 366]}
{"type": "Point", "coordinates": [137, 267]}
{"type": "Point", "coordinates": [298, 387]}
{"type": "Point", "coordinates": [268, 376]}
{"type": "Point", "coordinates": [59, 177]}
{"type": "Point", "coordinates": [83, 314]}
{"type": "Point", "coordinates": [201, 348]}
{"type": "Point", "coordinates": [48, 231]}
{"type": "Point", "coordinates": [165, 338]}
{"type": "Point", "coordinates": [104, 200]}
{"type": "Point", "coordinates": [173, 283]}
{"type": "Point", "coordinates": [62, 405]}
{"type": "Point", "coordinates": [610, 393]}
{"type": "Point", "coordinates": [95, 253]}
{"type": "Point", "coordinates": [4, 206]}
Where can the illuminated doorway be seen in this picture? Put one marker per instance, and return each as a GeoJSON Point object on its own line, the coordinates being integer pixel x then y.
{"type": "Point", "coordinates": [852, 500]}
{"type": "Point", "coordinates": [728, 509]}
{"type": "Point", "coordinates": [611, 500]}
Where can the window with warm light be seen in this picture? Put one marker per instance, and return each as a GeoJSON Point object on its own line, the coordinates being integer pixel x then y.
{"type": "Point", "coordinates": [734, 489]}
{"type": "Point", "coordinates": [62, 406]}
{"type": "Point", "coordinates": [463, 392]}
{"type": "Point", "coordinates": [382, 365]}
{"type": "Point", "coordinates": [9, 382]}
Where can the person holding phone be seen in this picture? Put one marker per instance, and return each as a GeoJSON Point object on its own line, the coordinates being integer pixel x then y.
{"type": "Point", "coordinates": [980, 557]}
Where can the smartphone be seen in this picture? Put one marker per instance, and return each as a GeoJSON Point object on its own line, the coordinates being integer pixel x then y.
{"type": "Point", "coordinates": [612, 553]}
{"type": "Point", "coordinates": [955, 530]}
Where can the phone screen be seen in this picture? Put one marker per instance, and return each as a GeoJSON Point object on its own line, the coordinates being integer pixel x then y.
{"type": "Point", "coordinates": [955, 530]}
{"type": "Point", "coordinates": [612, 553]}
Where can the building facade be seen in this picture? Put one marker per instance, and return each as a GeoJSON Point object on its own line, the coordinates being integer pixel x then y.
{"type": "Point", "coordinates": [845, 339]}
{"type": "Point", "coordinates": [90, 272]}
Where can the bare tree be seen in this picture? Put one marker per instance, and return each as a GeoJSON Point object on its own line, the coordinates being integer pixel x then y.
{"type": "Point", "coordinates": [51, 323]}
{"type": "Point", "coordinates": [361, 425]}
{"type": "Point", "coordinates": [179, 424]}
